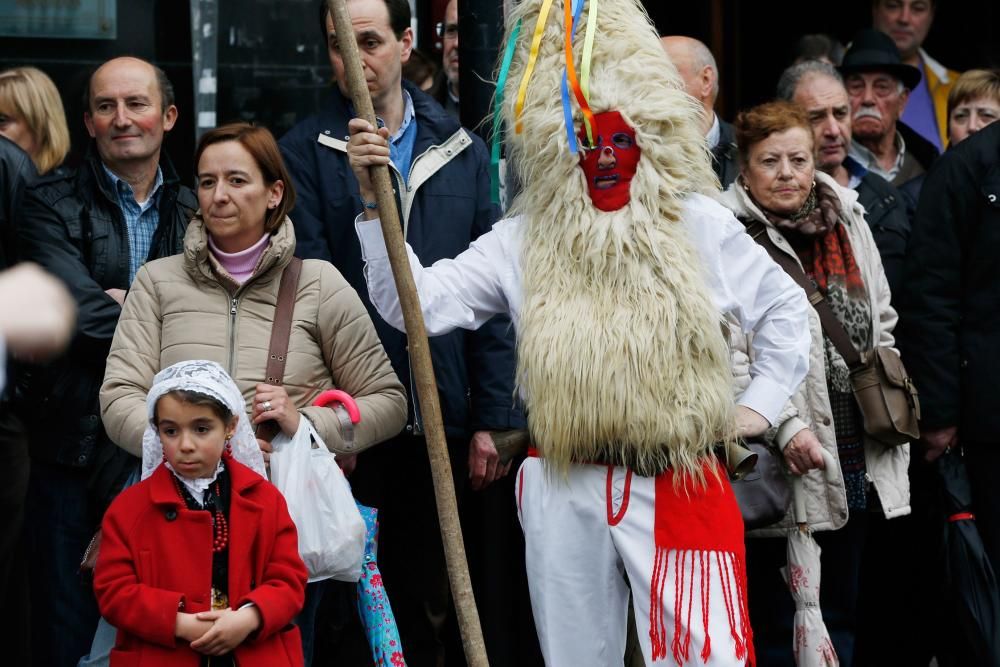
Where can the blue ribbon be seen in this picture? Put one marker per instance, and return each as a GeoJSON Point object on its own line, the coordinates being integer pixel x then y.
{"type": "Point", "coordinates": [567, 107]}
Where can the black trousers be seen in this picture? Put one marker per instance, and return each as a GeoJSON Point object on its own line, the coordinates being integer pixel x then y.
{"type": "Point", "coordinates": [395, 477]}
{"type": "Point", "coordinates": [905, 616]}
{"type": "Point", "coordinates": [14, 620]}
{"type": "Point", "coordinates": [771, 605]}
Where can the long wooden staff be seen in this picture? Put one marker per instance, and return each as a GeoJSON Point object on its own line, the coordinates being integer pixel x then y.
{"type": "Point", "coordinates": [420, 356]}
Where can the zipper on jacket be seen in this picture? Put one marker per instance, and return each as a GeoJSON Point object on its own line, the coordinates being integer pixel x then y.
{"type": "Point", "coordinates": [234, 303]}
{"type": "Point", "coordinates": [406, 196]}
{"type": "Point", "coordinates": [417, 427]}
{"type": "Point", "coordinates": [408, 193]}
{"type": "Point", "coordinates": [233, 307]}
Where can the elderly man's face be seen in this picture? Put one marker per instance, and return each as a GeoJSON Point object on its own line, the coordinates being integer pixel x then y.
{"type": "Point", "coordinates": [829, 109]}
{"type": "Point", "coordinates": [877, 102]}
{"type": "Point", "coordinates": [906, 21]}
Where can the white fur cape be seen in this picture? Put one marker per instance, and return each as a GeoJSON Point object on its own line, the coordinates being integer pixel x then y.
{"type": "Point", "coordinates": [620, 350]}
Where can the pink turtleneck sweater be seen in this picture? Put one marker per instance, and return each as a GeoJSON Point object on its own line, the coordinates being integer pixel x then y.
{"type": "Point", "coordinates": [240, 265]}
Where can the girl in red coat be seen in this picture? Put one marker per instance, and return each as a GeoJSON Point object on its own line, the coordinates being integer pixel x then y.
{"type": "Point", "coordinates": [199, 562]}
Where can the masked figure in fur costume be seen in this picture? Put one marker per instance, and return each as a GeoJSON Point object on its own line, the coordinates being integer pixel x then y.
{"type": "Point", "coordinates": [615, 268]}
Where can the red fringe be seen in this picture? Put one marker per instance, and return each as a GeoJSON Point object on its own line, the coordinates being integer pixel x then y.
{"type": "Point", "coordinates": [657, 631]}
{"type": "Point", "coordinates": [706, 589]}
{"type": "Point", "coordinates": [732, 574]}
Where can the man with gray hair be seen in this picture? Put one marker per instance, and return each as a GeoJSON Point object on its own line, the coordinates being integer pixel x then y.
{"type": "Point", "coordinates": [818, 88]}
{"type": "Point", "coordinates": [696, 65]}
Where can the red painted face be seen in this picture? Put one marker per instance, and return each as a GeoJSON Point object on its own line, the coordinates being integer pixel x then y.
{"type": "Point", "coordinates": [609, 165]}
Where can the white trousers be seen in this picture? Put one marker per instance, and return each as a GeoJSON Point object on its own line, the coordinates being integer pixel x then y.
{"type": "Point", "coordinates": [587, 537]}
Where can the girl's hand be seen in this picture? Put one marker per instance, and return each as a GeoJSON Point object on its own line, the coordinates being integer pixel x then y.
{"type": "Point", "coordinates": [190, 628]}
{"type": "Point", "coordinates": [271, 402]}
{"type": "Point", "coordinates": [229, 629]}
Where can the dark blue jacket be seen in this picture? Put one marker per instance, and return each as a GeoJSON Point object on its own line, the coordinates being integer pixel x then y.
{"type": "Point", "coordinates": [444, 207]}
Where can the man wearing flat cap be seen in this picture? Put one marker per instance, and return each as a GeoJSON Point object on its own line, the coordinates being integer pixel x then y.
{"type": "Point", "coordinates": [878, 84]}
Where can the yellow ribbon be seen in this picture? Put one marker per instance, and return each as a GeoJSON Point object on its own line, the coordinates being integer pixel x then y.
{"type": "Point", "coordinates": [536, 41]}
{"type": "Point", "coordinates": [588, 50]}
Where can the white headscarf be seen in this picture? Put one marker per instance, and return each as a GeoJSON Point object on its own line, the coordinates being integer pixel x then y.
{"type": "Point", "coordinates": [210, 379]}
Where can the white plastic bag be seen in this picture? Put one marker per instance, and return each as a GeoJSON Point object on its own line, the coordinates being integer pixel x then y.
{"type": "Point", "coordinates": [331, 530]}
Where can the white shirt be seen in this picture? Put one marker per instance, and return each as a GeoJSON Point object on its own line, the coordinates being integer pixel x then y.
{"type": "Point", "coordinates": [714, 132]}
{"type": "Point", "coordinates": [486, 279]}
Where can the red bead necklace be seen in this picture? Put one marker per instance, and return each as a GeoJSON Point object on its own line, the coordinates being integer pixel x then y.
{"type": "Point", "coordinates": [220, 529]}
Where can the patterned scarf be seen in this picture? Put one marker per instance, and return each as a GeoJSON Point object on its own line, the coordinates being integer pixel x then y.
{"type": "Point", "coordinates": [828, 259]}
{"type": "Point", "coordinates": [824, 248]}
{"type": "Point", "coordinates": [817, 216]}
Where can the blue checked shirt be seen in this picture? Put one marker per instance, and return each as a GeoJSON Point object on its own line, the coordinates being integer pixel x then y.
{"type": "Point", "coordinates": [141, 220]}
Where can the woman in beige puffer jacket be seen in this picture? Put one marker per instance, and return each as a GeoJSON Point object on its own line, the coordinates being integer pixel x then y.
{"type": "Point", "coordinates": [188, 307]}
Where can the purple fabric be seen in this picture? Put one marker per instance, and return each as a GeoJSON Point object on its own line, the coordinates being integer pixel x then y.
{"type": "Point", "coordinates": [240, 265]}
{"type": "Point", "coordinates": [919, 113]}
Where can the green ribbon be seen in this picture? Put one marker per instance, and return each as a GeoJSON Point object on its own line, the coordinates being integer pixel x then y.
{"type": "Point", "coordinates": [508, 56]}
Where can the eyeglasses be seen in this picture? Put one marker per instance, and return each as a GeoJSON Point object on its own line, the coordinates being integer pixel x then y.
{"type": "Point", "coordinates": [446, 30]}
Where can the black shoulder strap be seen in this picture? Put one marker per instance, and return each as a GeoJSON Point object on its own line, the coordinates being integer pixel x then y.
{"type": "Point", "coordinates": [831, 325]}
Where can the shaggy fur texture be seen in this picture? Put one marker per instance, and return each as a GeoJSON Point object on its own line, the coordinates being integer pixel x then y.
{"type": "Point", "coordinates": [620, 350]}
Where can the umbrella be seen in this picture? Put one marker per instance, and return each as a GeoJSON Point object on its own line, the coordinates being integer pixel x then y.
{"type": "Point", "coordinates": [811, 641]}
{"type": "Point", "coordinates": [969, 579]}
{"type": "Point", "coordinates": [373, 604]}
{"type": "Point", "coordinates": [374, 609]}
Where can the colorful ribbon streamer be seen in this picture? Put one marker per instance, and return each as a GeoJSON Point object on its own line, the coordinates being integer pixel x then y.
{"type": "Point", "coordinates": [567, 107]}
{"type": "Point", "coordinates": [588, 49]}
{"type": "Point", "coordinates": [508, 56]}
{"type": "Point", "coordinates": [588, 115]}
{"type": "Point", "coordinates": [536, 41]}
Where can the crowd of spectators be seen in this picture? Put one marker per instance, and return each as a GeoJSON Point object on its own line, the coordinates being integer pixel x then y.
{"type": "Point", "coordinates": [873, 140]}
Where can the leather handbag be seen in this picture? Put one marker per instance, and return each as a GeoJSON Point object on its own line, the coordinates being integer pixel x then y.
{"type": "Point", "coordinates": [887, 397]}
{"type": "Point", "coordinates": [762, 493]}
{"type": "Point", "coordinates": [281, 329]}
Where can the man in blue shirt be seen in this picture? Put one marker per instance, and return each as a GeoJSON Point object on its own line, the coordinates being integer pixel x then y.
{"type": "Point", "coordinates": [92, 229]}
{"type": "Point", "coordinates": [441, 177]}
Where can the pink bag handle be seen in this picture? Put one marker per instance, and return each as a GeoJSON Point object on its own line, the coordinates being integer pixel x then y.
{"type": "Point", "coordinates": [342, 397]}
